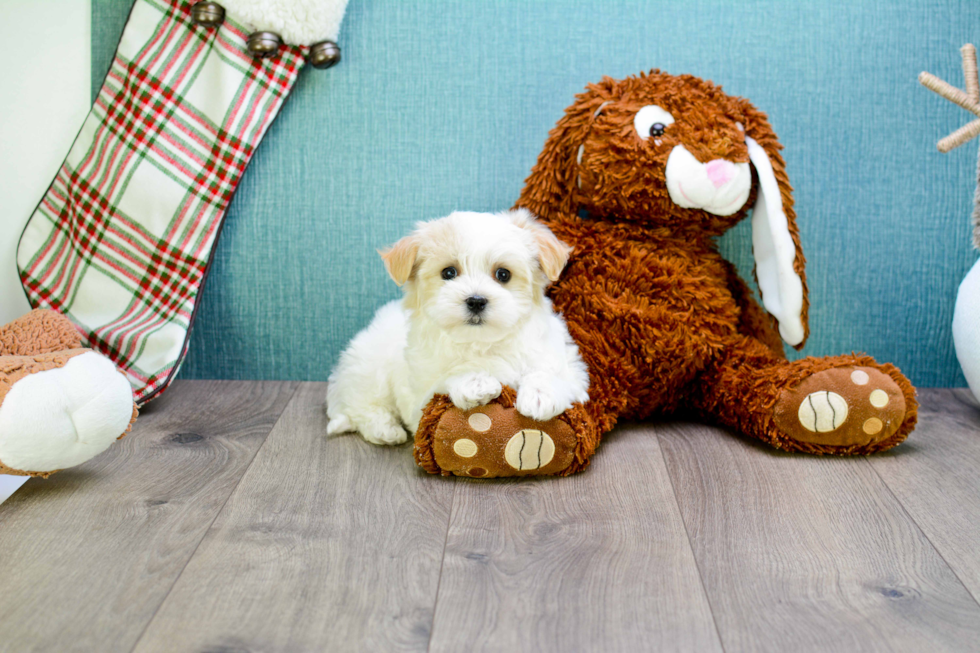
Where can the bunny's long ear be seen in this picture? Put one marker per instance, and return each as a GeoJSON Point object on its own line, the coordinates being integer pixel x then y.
{"type": "Point", "coordinates": [549, 190]}
{"type": "Point", "coordinates": [779, 262]}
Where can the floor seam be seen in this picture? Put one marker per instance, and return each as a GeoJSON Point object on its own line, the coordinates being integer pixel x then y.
{"type": "Point", "coordinates": [690, 543]}
{"type": "Point", "coordinates": [217, 513]}
{"type": "Point", "coordinates": [442, 563]}
{"type": "Point", "coordinates": [919, 528]}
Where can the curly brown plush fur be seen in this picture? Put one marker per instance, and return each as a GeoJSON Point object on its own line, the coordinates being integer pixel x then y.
{"type": "Point", "coordinates": [39, 332]}
{"type": "Point", "coordinates": [662, 320]}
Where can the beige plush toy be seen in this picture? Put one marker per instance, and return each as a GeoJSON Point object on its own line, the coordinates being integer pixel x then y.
{"type": "Point", "coordinates": [60, 404]}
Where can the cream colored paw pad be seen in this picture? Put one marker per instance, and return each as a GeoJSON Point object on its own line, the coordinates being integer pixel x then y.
{"type": "Point", "coordinates": [872, 426]}
{"type": "Point", "coordinates": [529, 449]}
{"type": "Point", "coordinates": [479, 422]}
{"type": "Point", "coordinates": [860, 377]}
{"type": "Point", "coordinates": [465, 448]}
{"type": "Point", "coordinates": [822, 411]}
{"type": "Point", "coordinates": [879, 398]}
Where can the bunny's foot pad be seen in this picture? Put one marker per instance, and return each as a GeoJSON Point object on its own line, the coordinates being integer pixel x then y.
{"type": "Point", "coordinates": [492, 441]}
{"type": "Point", "coordinates": [845, 409]}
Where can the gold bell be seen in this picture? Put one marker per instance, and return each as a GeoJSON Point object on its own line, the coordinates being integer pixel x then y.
{"type": "Point", "coordinates": [208, 14]}
{"type": "Point", "coordinates": [325, 54]}
{"type": "Point", "coordinates": [264, 44]}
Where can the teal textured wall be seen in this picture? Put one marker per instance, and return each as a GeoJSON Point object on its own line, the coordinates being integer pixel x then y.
{"type": "Point", "coordinates": [442, 105]}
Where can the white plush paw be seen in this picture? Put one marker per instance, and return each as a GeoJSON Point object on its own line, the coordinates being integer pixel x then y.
{"type": "Point", "coordinates": [472, 390]}
{"type": "Point", "coordinates": [539, 402]}
{"type": "Point", "coordinates": [64, 416]}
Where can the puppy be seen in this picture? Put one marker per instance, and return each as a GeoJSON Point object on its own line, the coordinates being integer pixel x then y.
{"type": "Point", "coordinates": [474, 316]}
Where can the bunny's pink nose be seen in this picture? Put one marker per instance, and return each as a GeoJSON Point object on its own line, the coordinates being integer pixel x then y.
{"type": "Point", "coordinates": [720, 171]}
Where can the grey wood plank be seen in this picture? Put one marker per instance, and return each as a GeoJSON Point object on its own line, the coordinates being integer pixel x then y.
{"type": "Point", "coordinates": [327, 544]}
{"type": "Point", "coordinates": [804, 553]}
{"type": "Point", "coordinates": [87, 556]}
{"type": "Point", "coordinates": [936, 477]}
{"type": "Point", "coordinates": [598, 561]}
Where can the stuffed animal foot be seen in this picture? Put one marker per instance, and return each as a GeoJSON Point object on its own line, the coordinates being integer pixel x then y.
{"type": "Point", "coordinates": [60, 409]}
{"type": "Point", "coordinates": [849, 407]}
{"type": "Point", "coordinates": [495, 440]}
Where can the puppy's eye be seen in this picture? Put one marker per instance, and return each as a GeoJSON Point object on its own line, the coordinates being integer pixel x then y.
{"type": "Point", "coordinates": [449, 273]}
{"type": "Point", "coordinates": [502, 275]}
{"type": "Point", "coordinates": [651, 120]}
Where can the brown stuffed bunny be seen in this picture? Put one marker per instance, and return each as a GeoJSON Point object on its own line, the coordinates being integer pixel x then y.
{"type": "Point", "coordinates": [640, 176]}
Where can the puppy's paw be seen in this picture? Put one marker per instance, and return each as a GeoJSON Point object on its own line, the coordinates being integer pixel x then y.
{"type": "Point", "coordinates": [538, 399]}
{"type": "Point", "coordinates": [472, 390]}
{"type": "Point", "coordinates": [388, 435]}
{"type": "Point", "coordinates": [382, 429]}
{"type": "Point", "coordinates": [339, 424]}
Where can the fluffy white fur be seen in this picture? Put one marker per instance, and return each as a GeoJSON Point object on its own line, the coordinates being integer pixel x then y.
{"type": "Point", "coordinates": [432, 342]}
{"type": "Point", "coordinates": [298, 22]}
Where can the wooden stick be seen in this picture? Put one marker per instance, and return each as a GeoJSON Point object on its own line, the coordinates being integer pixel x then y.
{"type": "Point", "coordinates": [948, 91]}
{"type": "Point", "coordinates": [969, 100]}
{"type": "Point", "coordinates": [960, 136]}
{"type": "Point", "coordinates": [970, 72]}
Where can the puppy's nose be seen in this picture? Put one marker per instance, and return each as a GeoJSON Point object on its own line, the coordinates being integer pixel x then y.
{"type": "Point", "coordinates": [720, 171]}
{"type": "Point", "coordinates": [476, 303]}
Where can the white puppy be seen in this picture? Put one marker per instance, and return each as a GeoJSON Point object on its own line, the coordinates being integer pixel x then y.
{"type": "Point", "coordinates": [474, 316]}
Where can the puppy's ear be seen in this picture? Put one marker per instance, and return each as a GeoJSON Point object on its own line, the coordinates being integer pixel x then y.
{"type": "Point", "coordinates": [400, 258]}
{"type": "Point", "coordinates": [779, 262]}
{"type": "Point", "coordinates": [552, 253]}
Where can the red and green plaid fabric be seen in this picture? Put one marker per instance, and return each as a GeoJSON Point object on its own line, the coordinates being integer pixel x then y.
{"type": "Point", "coordinates": [122, 240]}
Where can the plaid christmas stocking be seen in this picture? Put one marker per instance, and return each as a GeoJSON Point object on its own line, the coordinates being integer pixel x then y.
{"type": "Point", "coordinates": [122, 240]}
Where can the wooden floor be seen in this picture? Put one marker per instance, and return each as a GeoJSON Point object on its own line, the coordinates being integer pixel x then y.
{"type": "Point", "coordinates": [228, 521]}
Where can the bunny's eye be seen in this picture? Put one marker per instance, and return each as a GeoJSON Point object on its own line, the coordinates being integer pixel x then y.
{"type": "Point", "coordinates": [651, 120]}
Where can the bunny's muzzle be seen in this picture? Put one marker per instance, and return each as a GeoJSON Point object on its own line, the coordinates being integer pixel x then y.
{"type": "Point", "coordinates": [719, 186]}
